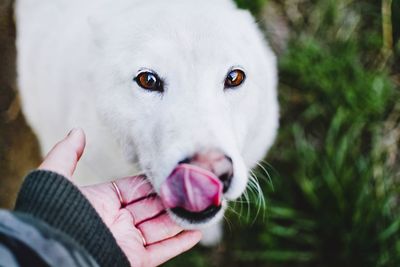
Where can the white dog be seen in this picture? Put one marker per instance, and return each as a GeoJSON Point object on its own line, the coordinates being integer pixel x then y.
{"type": "Point", "coordinates": [182, 90]}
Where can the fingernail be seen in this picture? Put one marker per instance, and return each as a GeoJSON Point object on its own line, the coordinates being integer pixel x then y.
{"type": "Point", "coordinates": [70, 132]}
{"type": "Point", "coordinates": [74, 130]}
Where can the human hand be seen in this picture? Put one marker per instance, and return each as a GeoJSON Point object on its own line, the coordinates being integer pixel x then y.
{"type": "Point", "coordinates": [129, 207]}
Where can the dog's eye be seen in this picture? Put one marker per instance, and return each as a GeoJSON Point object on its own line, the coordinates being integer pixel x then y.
{"type": "Point", "coordinates": [234, 78]}
{"type": "Point", "coordinates": [149, 81]}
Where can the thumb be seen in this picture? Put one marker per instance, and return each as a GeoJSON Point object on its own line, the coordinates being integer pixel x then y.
{"type": "Point", "coordinates": [65, 155]}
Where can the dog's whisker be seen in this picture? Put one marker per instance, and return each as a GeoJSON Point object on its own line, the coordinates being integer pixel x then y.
{"type": "Point", "coordinates": [260, 191]}
{"type": "Point", "coordinates": [247, 202]}
{"type": "Point", "coordinates": [257, 192]}
{"type": "Point", "coordinates": [226, 218]}
{"type": "Point", "coordinates": [250, 190]}
{"type": "Point", "coordinates": [253, 181]}
{"type": "Point", "coordinates": [234, 211]}
{"type": "Point", "coordinates": [268, 177]}
{"type": "Point", "coordinates": [247, 193]}
{"type": "Point", "coordinates": [237, 202]}
{"type": "Point", "coordinates": [142, 183]}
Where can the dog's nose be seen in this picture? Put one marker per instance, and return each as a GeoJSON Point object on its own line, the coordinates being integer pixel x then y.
{"type": "Point", "coordinates": [215, 161]}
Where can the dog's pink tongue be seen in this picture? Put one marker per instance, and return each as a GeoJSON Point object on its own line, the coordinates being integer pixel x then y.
{"type": "Point", "coordinates": [192, 188]}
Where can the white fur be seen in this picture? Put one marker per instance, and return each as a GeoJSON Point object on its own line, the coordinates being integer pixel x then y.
{"type": "Point", "coordinates": [77, 61]}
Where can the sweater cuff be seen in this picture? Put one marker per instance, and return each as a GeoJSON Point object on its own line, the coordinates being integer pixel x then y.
{"type": "Point", "coordinates": [53, 199]}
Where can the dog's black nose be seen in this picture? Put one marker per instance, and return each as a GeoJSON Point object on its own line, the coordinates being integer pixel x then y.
{"type": "Point", "coordinates": [215, 161]}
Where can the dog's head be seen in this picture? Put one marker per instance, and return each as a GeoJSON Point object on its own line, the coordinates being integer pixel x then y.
{"type": "Point", "coordinates": [189, 88]}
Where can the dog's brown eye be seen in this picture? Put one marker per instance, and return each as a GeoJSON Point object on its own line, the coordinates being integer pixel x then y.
{"type": "Point", "coordinates": [149, 81]}
{"type": "Point", "coordinates": [234, 78]}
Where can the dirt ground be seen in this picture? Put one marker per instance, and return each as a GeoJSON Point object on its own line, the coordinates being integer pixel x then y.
{"type": "Point", "coordinates": [18, 146]}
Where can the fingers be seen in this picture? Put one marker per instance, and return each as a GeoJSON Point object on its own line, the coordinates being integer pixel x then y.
{"type": "Point", "coordinates": [126, 235]}
{"type": "Point", "coordinates": [167, 249]}
{"type": "Point", "coordinates": [159, 228]}
{"type": "Point", "coordinates": [145, 209]}
{"type": "Point", "coordinates": [150, 227]}
{"type": "Point", "coordinates": [65, 154]}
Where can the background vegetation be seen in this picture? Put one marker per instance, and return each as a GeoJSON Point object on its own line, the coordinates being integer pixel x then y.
{"type": "Point", "coordinates": [332, 193]}
{"type": "Point", "coordinates": [333, 184]}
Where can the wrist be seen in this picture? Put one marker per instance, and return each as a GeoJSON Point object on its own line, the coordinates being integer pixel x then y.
{"type": "Point", "coordinates": [53, 199]}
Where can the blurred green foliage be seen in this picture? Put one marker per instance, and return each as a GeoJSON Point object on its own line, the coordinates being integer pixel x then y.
{"type": "Point", "coordinates": [335, 168]}
{"type": "Point", "coordinates": [254, 6]}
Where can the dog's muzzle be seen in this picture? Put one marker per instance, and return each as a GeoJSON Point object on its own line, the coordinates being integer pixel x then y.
{"type": "Point", "coordinates": [194, 190]}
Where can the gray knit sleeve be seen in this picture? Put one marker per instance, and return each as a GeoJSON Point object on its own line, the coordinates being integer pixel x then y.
{"type": "Point", "coordinates": [50, 197]}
